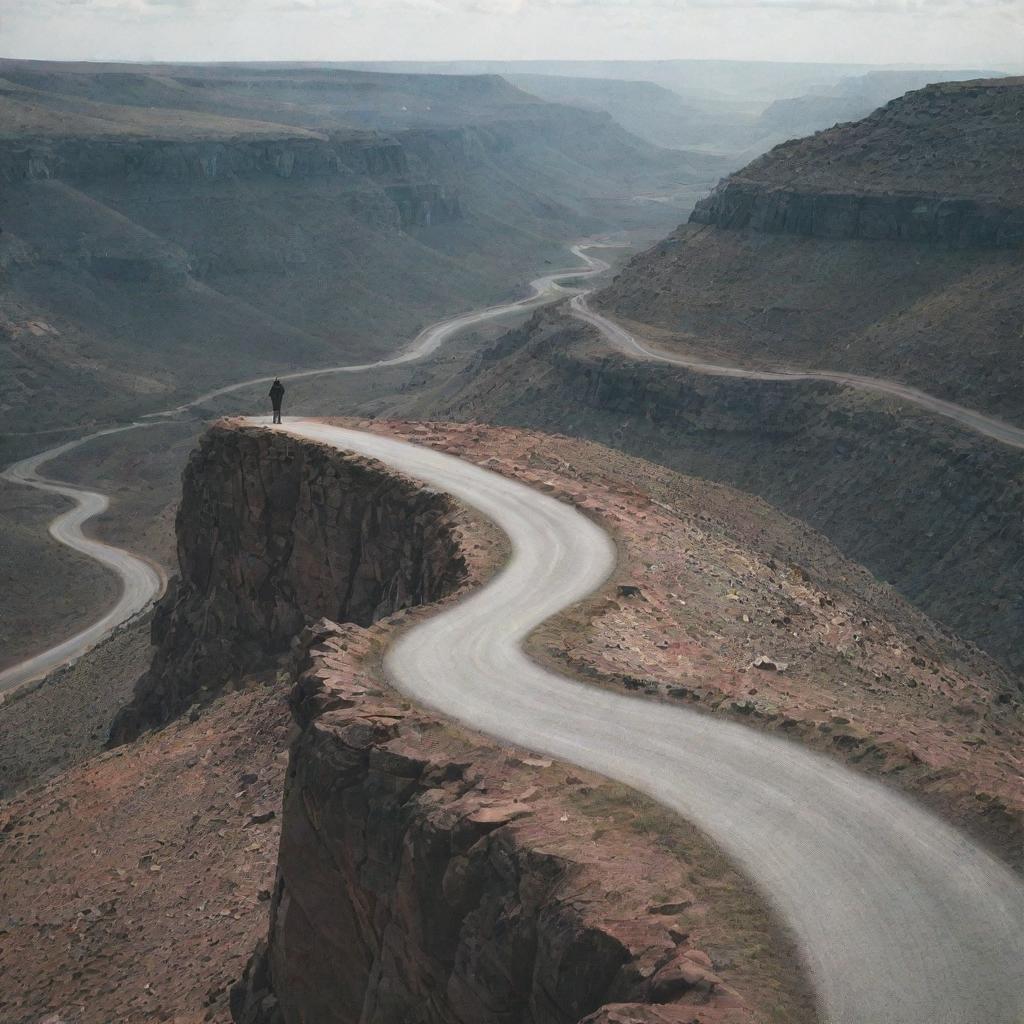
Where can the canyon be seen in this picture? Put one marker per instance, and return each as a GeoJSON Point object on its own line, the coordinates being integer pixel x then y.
{"type": "Point", "coordinates": [814, 573]}
{"type": "Point", "coordinates": [187, 221]}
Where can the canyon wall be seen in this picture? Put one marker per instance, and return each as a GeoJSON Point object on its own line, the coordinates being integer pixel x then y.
{"type": "Point", "coordinates": [274, 533]}
{"type": "Point", "coordinates": [953, 221]}
{"type": "Point", "coordinates": [375, 168]}
{"type": "Point", "coordinates": [939, 165]}
{"type": "Point", "coordinates": [421, 879]}
{"type": "Point", "coordinates": [930, 508]}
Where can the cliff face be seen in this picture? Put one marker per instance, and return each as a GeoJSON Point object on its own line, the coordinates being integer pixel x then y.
{"type": "Point", "coordinates": [417, 881]}
{"type": "Point", "coordinates": [374, 165]}
{"type": "Point", "coordinates": [940, 165]}
{"type": "Point", "coordinates": [953, 221]}
{"type": "Point", "coordinates": [273, 534]}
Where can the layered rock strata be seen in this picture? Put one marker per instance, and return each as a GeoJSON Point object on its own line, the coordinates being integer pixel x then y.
{"type": "Point", "coordinates": [955, 221]}
{"type": "Point", "coordinates": [940, 165]}
{"type": "Point", "coordinates": [273, 534]}
{"type": "Point", "coordinates": [416, 884]}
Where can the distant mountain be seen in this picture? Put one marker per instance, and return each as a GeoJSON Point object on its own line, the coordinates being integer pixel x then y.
{"type": "Point", "coordinates": [170, 228]}
{"type": "Point", "coordinates": [737, 80]}
{"type": "Point", "coordinates": [651, 111]}
{"type": "Point", "coordinates": [849, 99]}
{"type": "Point", "coordinates": [736, 109]}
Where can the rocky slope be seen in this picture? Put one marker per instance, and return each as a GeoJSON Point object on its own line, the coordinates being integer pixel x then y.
{"type": "Point", "coordinates": [273, 534]}
{"type": "Point", "coordinates": [561, 898]}
{"type": "Point", "coordinates": [951, 138]}
{"type": "Point", "coordinates": [421, 875]}
{"type": "Point", "coordinates": [892, 246]}
{"type": "Point", "coordinates": [939, 165]}
{"type": "Point", "coordinates": [925, 506]}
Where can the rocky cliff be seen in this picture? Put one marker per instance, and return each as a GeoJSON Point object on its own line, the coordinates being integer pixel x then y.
{"type": "Point", "coordinates": [940, 165]}
{"type": "Point", "coordinates": [955, 221]}
{"type": "Point", "coordinates": [428, 876]}
{"type": "Point", "coordinates": [365, 162]}
{"type": "Point", "coordinates": [273, 534]}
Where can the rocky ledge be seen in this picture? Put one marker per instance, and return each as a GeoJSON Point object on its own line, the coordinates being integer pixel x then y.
{"type": "Point", "coordinates": [954, 221]}
{"type": "Point", "coordinates": [427, 876]}
{"type": "Point", "coordinates": [274, 533]}
{"type": "Point", "coordinates": [888, 175]}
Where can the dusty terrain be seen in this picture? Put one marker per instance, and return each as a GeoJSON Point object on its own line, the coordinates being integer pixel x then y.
{"type": "Point", "coordinates": [131, 885]}
{"type": "Point", "coordinates": [45, 728]}
{"type": "Point", "coordinates": [726, 588]}
{"type": "Point", "coordinates": [714, 588]}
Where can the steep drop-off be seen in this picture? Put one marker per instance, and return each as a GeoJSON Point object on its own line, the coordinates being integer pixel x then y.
{"type": "Point", "coordinates": [892, 246]}
{"type": "Point", "coordinates": [427, 874]}
{"type": "Point", "coordinates": [272, 535]}
{"type": "Point", "coordinates": [423, 870]}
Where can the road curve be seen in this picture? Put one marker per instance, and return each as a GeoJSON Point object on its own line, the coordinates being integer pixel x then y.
{"type": "Point", "coordinates": [901, 918]}
{"type": "Point", "coordinates": [141, 582]}
{"type": "Point", "coordinates": [541, 290]}
{"type": "Point", "coordinates": [629, 344]}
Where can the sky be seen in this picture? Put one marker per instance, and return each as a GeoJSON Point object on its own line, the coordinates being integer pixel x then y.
{"type": "Point", "coordinates": [937, 33]}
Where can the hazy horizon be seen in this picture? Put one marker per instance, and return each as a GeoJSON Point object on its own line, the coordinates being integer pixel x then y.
{"type": "Point", "coordinates": [936, 33]}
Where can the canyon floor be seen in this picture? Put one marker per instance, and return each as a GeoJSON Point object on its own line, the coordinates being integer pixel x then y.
{"type": "Point", "coordinates": [718, 601]}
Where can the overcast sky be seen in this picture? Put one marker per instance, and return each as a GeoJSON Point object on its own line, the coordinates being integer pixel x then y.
{"type": "Point", "coordinates": [979, 33]}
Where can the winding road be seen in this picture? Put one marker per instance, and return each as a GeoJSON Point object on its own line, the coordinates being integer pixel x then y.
{"type": "Point", "coordinates": [637, 348]}
{"type": "Point", "coordinates": [141, 581]}
{"type": "Point", "coordinates": [901, 918]}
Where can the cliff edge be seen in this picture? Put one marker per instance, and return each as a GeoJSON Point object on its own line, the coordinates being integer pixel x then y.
{"type": "Point", "coordinates": [273, 534]}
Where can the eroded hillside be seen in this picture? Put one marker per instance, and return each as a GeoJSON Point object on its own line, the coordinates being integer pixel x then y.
{"type": "Point", "coordinates": [165, 230]}
{"type": "Point", "coordinates": [891, 246]}
{"type": "Point", "coordinates": [559, 889]}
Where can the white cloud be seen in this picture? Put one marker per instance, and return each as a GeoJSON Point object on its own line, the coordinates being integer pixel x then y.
{"type": "Point", "coordinates": [937, 32]}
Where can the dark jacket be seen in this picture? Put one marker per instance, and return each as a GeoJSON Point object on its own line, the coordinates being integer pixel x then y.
{"type": "Point", "coordinates": [276, 392]}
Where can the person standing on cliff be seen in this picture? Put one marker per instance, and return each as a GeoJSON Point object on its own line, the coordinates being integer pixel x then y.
{"type": "Point", "coordinates": [276, 394]}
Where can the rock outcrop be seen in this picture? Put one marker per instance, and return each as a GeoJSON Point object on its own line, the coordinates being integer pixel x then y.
{"type": "Point", "coordinates": [940, 165]}
{"type": "Point", "coordinates": [955, 221]}
{"type": "Point", "coordinates": [411, 887]}
{"type": "Point", "coordinates": [273, 533]}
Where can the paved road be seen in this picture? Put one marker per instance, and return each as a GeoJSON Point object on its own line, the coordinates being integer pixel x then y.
{"type": "Point", "coordinates": [542, 290]}
{"type": "Point", "coordinates": [902, 919]}
{"type": "Point", "coordinates": [629, 344]}
{"type": "Point", "coordinates": [141, 582]}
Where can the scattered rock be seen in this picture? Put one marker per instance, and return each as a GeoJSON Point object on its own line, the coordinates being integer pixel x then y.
{"type": "Point", "coordinates": [766, 664]}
